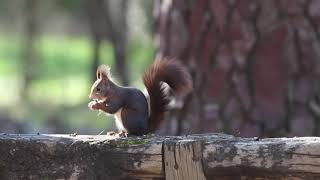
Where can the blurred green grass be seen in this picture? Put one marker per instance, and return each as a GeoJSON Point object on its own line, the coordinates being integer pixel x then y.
{"type": "Point", "coordinates": [63, 79]}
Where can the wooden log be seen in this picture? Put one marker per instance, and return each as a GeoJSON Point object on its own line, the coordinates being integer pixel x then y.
{"type": "Point", "coordinates": [228, 157]}
{"type": "Point", "coordinates": [79, 157]}
{"type": "Point", "coordinates": [205, 156]}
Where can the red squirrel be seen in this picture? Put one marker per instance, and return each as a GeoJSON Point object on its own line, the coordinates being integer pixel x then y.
{"type": "Point", "coordinates": [130, 106]}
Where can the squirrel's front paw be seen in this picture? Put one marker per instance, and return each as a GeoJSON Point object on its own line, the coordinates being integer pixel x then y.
{"type": "Point", "coordinates": [91, 104]}
{"type": "Point", "coordinates": [94, 105]}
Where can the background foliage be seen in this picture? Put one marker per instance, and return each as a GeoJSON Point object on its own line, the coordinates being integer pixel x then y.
{"type": "Point", "coordinates": [55, 98]}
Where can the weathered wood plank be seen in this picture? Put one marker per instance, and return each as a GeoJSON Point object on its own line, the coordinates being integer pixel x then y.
{"type": "Point", "coordinates": [276, 157]}
{"type": "Point", "coordinates": [206, 156]}
{"type": "Point", "coordinates": [80, 157]}
{"type": "Point", "coordinates": [183, 160]}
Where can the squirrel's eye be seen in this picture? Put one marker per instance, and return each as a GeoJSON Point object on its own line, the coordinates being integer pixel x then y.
{"type": "Point", "coordinates": [98, 89]}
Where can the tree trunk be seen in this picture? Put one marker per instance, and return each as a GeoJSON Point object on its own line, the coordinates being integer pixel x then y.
{"type": "Point", "coordinates": [97, 30]}
{"type": "Point", "coordinates": [108, 19]}
{"type": "Point", "coordinates": [29, 57]}
{"type": "Point", "coordinates": [255, 64]}
{"type": "Point", "coordinates": [116, 20]}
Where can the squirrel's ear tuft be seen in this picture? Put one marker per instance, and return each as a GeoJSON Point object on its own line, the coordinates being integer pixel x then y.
{"type": "Point", "coordinates": [103, 72]}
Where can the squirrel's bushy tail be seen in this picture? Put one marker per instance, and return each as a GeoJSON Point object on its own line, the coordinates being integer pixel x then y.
{"type": "Point", "coordinates": [175, 75]}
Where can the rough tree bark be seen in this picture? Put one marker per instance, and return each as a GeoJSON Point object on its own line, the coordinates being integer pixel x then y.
{"type": "Point", "coordinates": [255, 64]}
{"type": "Point", "coordinates": [206, 156]}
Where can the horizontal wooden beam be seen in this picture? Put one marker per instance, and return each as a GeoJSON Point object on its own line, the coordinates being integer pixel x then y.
{"type": "Point", "coordinates": [203, 156]}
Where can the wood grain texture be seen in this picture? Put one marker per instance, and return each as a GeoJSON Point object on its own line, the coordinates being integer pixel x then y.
{"type": "Point", "coordinates": [79, 157]}
{"type": "Point", "coordinates": [204, 156]}
{"type": "Point", "coordinates": [183, 160]}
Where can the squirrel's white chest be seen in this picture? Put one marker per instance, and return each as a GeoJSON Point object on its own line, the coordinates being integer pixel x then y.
{"type": "Point", "coordinates": [119, 123]}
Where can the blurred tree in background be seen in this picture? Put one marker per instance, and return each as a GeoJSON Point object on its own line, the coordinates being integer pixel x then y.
{"type": "Point", "coordinates": [110, 17]}
{"type": "Point", "coordinates": [29, 65]}
{"type": "Point", "coordinates": [255, 64]}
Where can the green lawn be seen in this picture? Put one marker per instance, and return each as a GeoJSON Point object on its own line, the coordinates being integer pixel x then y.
{"type": "Point", "coordinates": [62, 80]}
